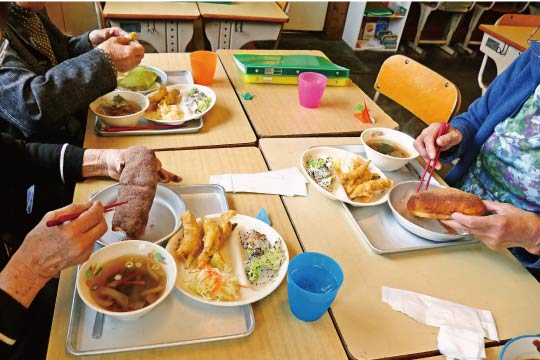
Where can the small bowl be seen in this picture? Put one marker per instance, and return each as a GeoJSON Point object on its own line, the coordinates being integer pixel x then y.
{"type": "Point", "coordinates": [521, 347]}
{"type": "Point", "coordinates": [393, 137]}
{"type": "Point", "coordinates": [430, 229]}
{"type": "Point", "coordinates": [113, 251]}
{"type": "Point", "coordinates": [126, 120]}
{"type": "Point", "coordinates": [162, 79]}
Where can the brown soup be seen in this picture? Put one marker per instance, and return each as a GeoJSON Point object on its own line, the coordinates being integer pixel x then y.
{"type": "Point", "coordinates": [388, 148]}
{"type": "Point", "coordinates": [128, 283]}
{"type": "Point", "coordinates": [118, 106]}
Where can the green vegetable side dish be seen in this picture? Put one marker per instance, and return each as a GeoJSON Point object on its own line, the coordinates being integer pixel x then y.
{"type": "Point", "coordinates": [140, 79]}
{"type": "Point", "coordinates": [117, 102]}
{"type": "Point", "coordinates": [197, 101]}
{"type": "Point", "coordinates": [319, 169]}
{"type": "Point", "coordinates": [263, 259]}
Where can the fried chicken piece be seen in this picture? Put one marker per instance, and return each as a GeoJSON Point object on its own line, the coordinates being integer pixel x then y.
{"type": "Point", "coordinates": [365, 191]}
{"type": "Point", "coordinates": [156, 98]}
{"type": "Point", "coordinates": [172, 98]}
{"type": "Point", "coordinates": [191, 242]}
{"type": "Point", "coordinates": [210, 242]}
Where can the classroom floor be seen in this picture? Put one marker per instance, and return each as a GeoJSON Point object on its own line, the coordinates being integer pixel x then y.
{"type": "Point", "coordinates": [461, 69]}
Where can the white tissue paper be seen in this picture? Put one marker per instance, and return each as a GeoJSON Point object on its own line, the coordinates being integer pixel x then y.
{"type": "Point", "coordinates": [289, 182]}
{"type": "Point", "coordinates": [462, 328]}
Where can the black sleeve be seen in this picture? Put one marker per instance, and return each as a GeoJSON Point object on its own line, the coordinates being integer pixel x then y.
{"type": "Point", "coordinates": [28, 161]}
{"type": "Point", "coordinates": [13, 321]}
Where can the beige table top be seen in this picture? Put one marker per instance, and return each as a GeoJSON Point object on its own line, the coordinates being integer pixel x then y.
{"type": "Point", "coordinates": [515, 36]}
{"type": "Point", "coordinates": [471, 275]}
{"type": "Point", "coordinates": [274, 110]}
{"type": "Point", "coordinates": [278, 334]}
{"type": "Point", "coordinates": [225, 125]}
{"type": "Point", "coordinates": [176, 10]}
{"type": "Point", "coordinates": [251, 11]}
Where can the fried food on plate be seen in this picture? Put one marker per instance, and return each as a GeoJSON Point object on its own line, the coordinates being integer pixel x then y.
{"type": "Point", "coordinates": [359, 183]}
{"type": "Point", "coordinates": [214, 237]}
{"type": "Point", "coordinates": [164, 105]}
{"type": "Point", "coordinates": [441, 203]}
{"type": "Point", "coordinates": [191, 240]}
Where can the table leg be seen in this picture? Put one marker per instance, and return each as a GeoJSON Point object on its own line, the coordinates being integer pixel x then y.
{"type": "Point", "coordinates": [185, 34]}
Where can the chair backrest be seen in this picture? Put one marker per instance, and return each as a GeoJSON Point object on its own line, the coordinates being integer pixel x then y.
{"type": "Point", "coordinates": [422, 91]}
{"type": "Point", "coordinates": [519, 20]}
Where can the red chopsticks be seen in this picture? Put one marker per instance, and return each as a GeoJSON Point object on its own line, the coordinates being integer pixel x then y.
{"type": "Point", "coordinates": [143, 127]}
{"type": "Point", "coordinates": [443, 129]}
{"type": "Point", "coordinates": [62, 219]}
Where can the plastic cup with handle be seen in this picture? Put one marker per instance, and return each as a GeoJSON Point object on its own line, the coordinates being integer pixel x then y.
{"type": "Point", "coordinates": [203, 66]}
{"type": "Point", "coordinates": [311, 87]}
{"type": "Point", "coordinates": [313, 280]}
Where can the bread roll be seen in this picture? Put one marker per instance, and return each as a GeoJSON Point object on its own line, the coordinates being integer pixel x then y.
{"type": "Point", "coordinates": [441, 203]}
{"type": "Point", "coordinates": [137, 186]}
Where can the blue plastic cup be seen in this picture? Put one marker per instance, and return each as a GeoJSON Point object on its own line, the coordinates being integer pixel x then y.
{"type": "Point", "coordinates": [313, 280]}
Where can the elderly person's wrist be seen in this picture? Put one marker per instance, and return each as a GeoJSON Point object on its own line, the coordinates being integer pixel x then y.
{"type": "Point", "coordinates": [94, 163]}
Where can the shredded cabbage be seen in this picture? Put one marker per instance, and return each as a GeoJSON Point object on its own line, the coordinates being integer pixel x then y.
{"type": "Point", "coordinates": [214, 284]}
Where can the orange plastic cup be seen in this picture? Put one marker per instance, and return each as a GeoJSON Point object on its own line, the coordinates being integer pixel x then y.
{"type": "Point", "coordinates": [203, 66]}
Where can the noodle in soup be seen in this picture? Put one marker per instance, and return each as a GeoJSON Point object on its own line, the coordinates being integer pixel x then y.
{"type": "Point", "coordinates": [128, 283]}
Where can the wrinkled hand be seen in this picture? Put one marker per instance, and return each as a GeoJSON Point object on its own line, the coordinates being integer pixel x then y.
{"type": "Point", "coordinates": [110, 162]}
{"type": "Point", "coordinates": [426, 146]}
{"type": "Point", "coordinates": [508, 227]}
{"type": "Point", "coordinates": [125, 54]}
{"type": "Point", "coordinates": [49, 250]}
{"type": "Point", "coordinates": [98, 36]}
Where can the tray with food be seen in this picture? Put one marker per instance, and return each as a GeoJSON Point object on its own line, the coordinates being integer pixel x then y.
{"type": "Point", "coordinates": [380, 228]}
{"type": "Point", "coordinates": [166, 324]}
{"type": "Point", "coordinates": [145, 127]}
{"type": "Point", "coordinates": [228, 259]}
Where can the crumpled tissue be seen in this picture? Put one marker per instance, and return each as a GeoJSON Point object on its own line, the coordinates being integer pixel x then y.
{"type": "Point", "coordinates": [462, 328]}
{"type": "Point", "coordinates": [289, 182]}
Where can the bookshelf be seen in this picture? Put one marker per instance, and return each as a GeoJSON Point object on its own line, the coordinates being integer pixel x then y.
{"type": "Point", "coordinates": [355, 24]}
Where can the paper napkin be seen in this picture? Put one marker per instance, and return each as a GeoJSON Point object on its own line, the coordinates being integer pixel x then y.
{"type": "Point", "coordinates": [289, 182]}
{"type": "Point", "coordinates": [462, 329]}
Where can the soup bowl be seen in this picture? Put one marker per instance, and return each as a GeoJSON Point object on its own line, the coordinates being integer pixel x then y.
{"type": "Point", "coordinates": [523, 347]}
{"type": "Point", "coordinates": [383, 145]}
{"type": "Point", "coordinates": [123, 120]}
{"type": "Point", "coordinates": [99, 269]}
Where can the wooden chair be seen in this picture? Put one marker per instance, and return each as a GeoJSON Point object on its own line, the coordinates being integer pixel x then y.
{"type": "Point", "coordinates": [457, 9]}
{"type": "Point", "coordinates": [284, 5]}
{"type": "Point", "coordinates": [480, 8]}
{"type": "Point", "coordinates": [507, 20]}
{"type": "Point", "coordinates": [420, 90]}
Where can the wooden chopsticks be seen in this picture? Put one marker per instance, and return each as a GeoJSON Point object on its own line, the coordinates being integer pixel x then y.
{"type": "Point", "coordinates": [443, 129]}
{"type": "Point", "coordinates": [62, 219]}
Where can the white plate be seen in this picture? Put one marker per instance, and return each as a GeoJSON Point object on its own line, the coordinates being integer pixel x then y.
{"type": "Point", "coordinates": [161, 79]}
{"type": "Point", "coordinates": [188, 115]}
{"type": "Point", "coordinates": [430, 229]}
{"type": "Point", "coordinates": [338, 192]}
{"type": "Point", "coordinates": [163, 219]}
{"type": "Point", "coordinates": [234, 256]}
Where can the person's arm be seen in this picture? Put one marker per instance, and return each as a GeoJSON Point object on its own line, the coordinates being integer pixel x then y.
{"type": "Point", "coordinates": [34, 102]}
{"type": "Point", "coordinates": [43, 254]}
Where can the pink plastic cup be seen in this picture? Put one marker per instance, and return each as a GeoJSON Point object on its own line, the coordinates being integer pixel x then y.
{"type": "Point", "coordinates": [311, 88]}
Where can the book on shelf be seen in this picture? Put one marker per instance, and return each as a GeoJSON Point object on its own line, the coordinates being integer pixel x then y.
{"type": "Point", "coordinates": [288, 65]}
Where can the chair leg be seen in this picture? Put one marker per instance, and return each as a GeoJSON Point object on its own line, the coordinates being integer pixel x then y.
{"type": "Point", "coordinates": [451, 29]}
{"type": "Point", "coordinates": [424, 14]}
{"type": "Point", "coordinates": [477, 13]}
{"type": "Point", "coordinates": [481, 83]}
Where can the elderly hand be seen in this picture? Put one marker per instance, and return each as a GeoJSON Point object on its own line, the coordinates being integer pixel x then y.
{"type": "Point", "coordinates": [125, 54]}
{"type": "Point", "coordinates": [425, 142]}
{"type": "Point", "coordinates": [48, 250]}
{"type": "Point", "coordinates": [508, 227]}
{"type": "Point", "coordinates": [98, 36]}
{"type": "Point", "coordinates": [110, 162]}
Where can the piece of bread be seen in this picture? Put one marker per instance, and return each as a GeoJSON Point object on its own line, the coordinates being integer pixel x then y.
{"type": "Point", "coordinates": [441, 203]}
{"type": "Point", "coordinates": [137, 186]}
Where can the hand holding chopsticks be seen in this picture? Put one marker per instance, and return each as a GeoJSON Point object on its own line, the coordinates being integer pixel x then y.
{"type": "Point", "coordinates": [443, 129]}
{"type": "Point", "coordinates": [68, 217]}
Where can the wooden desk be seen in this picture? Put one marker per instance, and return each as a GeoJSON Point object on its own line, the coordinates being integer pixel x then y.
{"type": "Point", "coordinates": [275, 110]}
{"type": "Point", "coordinates": [492, 353]}
{"type": "Point", "coordinates": [231, 26]}
{"type": "Point", "coordinates": [471, 274]}
{"type": "Point", "coordinates": [225, 125]}
{"type": "Point", "coordinates": [167, 26]}
{"type": "Point", "coordinates": [503, 44]}
{"type": "Point", "coordinates": [278, 334]}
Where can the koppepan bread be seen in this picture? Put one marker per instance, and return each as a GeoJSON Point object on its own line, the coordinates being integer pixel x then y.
{"type": "Point", "coordinates": [441, 203]}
